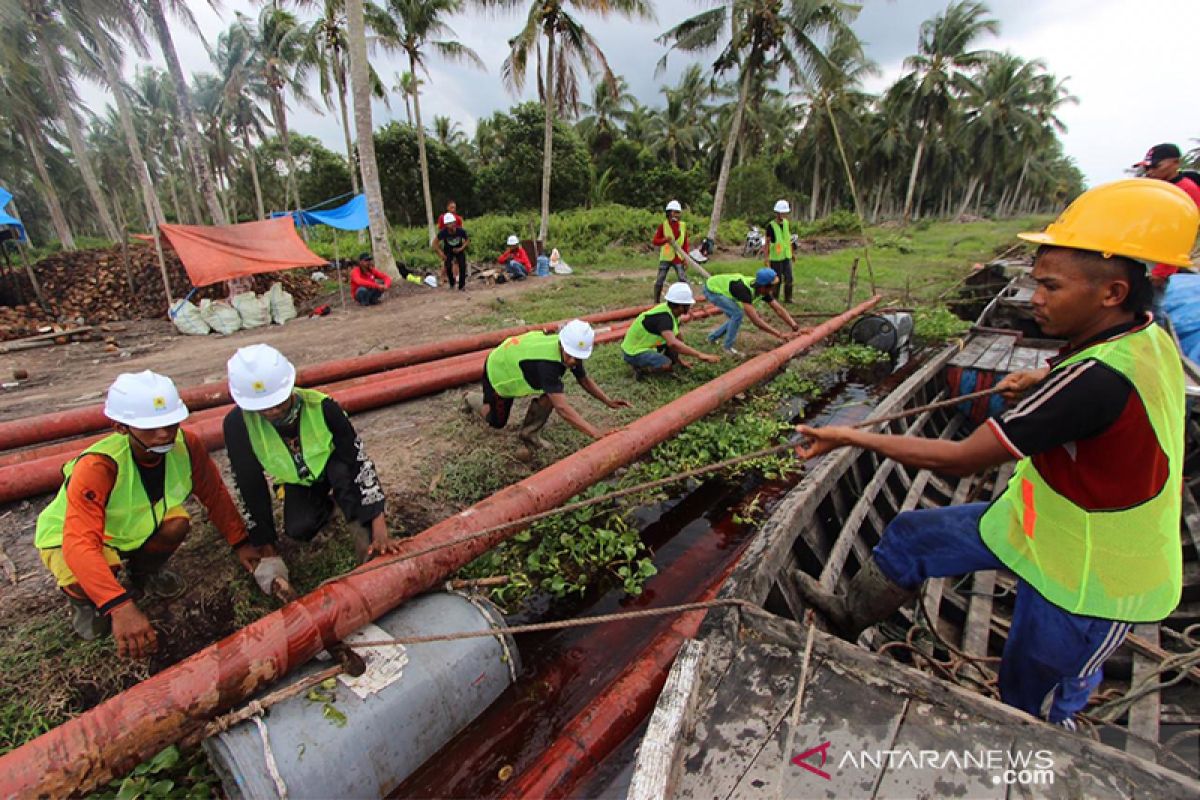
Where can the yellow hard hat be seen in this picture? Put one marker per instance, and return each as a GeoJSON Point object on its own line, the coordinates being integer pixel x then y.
{"type": "Point", "coordinates": [1140, 218]}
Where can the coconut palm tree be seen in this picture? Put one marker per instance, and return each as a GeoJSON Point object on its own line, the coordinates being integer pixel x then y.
{"type": "Point", "coordinates": [943, 54]}
{"type": "Point", "coordinates": [406, 84]}
{"type": "Point", "coordinates": [568, 46]}
{"type": "Point", "coordinates": [241, 84]}
{"type": "Point", "coordinates": [609, 108]}
{"type": "Point", "coordinates": [360, 85]}
{"type": "Point", "coordinates": [756, 35]}
{"type": "Point", "coordinates": [410, 27]}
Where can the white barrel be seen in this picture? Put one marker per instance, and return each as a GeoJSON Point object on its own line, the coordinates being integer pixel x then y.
{"type": "Point", "coordinates": [383, 725]}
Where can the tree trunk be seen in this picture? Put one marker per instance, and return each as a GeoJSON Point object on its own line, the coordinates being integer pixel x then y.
{"type": "Point", "coordinates": [175, 198]}
{"type": "Point", "coordinates": [735, 126]}
{"type": "Point", "coordinates": [816, 186]}
{"type": "Point", "coordinates": [78, 147]}
{"type": "Point", "coordinates": [1017, 191]}
{"type": "Point", "coordinates": [912, 176]}
{"type": "Point", "coordinates": [979, 199]}
{"type": "Point", "coordinates": [279, 115]}
{"type": "Point", "coordinates": [58, 219]}
{"type": "Point", "coordinates": [188, 165]}
{"type": "Point", "coordinates": [360, 84]}
{"type": "Point", "coordinates": [258, 201]}
{"type": "Point", "coordinates": [548, 138]}
{"type": "Point", "coordinates": [416, 101]}
{"type": "Point", "coordinates": [339, 77]}
{"type": "Point", "coordinates": [183, 94]}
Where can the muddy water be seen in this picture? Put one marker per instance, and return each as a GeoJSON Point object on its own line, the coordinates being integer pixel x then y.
{"type": "Point", "coordinates": [692, 536]}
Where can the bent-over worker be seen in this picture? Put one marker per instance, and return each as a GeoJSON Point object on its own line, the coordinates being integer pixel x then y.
{"type": "Point", "coordinates": [533, 365]}
{"type": "Point", "coordinates": [731, 293]}
{"type": "Point", "coordinates": [304, 443]}
{"type": "Point", "coordinates": [653, 343]}
{"type": "Point", "coordinates": [1089, 522]}
{"type": "Point", "coordinates": [122, 500]}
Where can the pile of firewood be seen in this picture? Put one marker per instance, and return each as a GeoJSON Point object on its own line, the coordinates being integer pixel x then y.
{"type": "Point", "coordinates": [94, 286]}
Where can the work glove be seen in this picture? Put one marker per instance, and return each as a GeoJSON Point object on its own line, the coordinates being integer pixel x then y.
{"type": "Point", "coordinates": [269, 570]}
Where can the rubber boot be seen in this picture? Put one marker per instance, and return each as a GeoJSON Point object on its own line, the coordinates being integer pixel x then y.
{"type": "Point", "coordinates": [148, 574]}
{"type": "Point", "coordinates": [361, 536]}
{"type": "Point", "coordinates": [658, 287]}
{"type": "Point", "coordinates": [871, 597]}
{"type": "Point", "coordinates": [87, 621]}
{"type": "Point", "coordinates": [536, 418]}
{"type": "Point", "coordinates": [787, 292]}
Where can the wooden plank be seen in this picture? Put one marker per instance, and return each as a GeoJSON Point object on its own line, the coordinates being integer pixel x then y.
{"type": "Point", "coordinates": [979, 607]}
{"type": "Point", "coordinates": [996, 357]}
{"type": "Point", "coordinates": [976, 347]}
{"type": "Point", "coordinates": [1143, 714]}
{"type": "Point", "coordinates": [657, 763]}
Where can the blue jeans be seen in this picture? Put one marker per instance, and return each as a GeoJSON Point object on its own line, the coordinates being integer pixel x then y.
{"type": "Point", "coordinates": [515, 270]}
{"type": "Point", "coordinates": [367, 297]}
{"type": "Point", "coordinates": [732, 309]}
{"type": "Point", "coordinates": [1048, 650]}
{"type": "Point", "coordinates": [649, 360]}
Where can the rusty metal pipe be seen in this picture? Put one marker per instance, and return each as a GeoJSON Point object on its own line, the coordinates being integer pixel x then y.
{"type": "Point", "coordinates": [116, 735]}
{"type": "Point", "coordinates": [75, 422]}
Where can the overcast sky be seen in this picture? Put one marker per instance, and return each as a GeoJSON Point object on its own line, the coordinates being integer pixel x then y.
{"type": "Point", "coordinates": [1132, 66]}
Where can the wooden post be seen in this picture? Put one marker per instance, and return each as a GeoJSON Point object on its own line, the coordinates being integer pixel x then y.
{"type": "Point", "coordinates": [37, 287]}
{"type": "Point", "coordinates": [162, 265]}
{"type": "Point", "coordinates": [853, 283]}
{"type": "Point", "coordinates": [338, 266]}
{"type": "Point", "coordinates": [125, 260]}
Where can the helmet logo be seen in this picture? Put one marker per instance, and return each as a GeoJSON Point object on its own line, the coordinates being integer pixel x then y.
{"type": "Point", "coordinates": [160, 403]}
{"type": "Point", "coordinates": [260, 387]}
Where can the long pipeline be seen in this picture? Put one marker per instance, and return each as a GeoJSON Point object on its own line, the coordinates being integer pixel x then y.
{"type": "Point", "coordinates": [40, 470]}
{"type": "Point", "coordinates": [115, 736]}
{"type": "Point", "coordinates": [78, 421]}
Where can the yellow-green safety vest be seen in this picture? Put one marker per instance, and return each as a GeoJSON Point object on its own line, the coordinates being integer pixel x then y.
{"type": "Point", "coordinates": [719, 284]}
{"type": "Point", "coordinates": [316, 441]}
{"type": "Point", "coordinates": [781, 248]}
{"type": "Point", "coordinates": [639, 340]}
{"type": "Point", "coordinates": [1124, 564]}
{"type": "Point", "coordinates": [129, 518]}
{"type": "Point", "coordinates": [667, 253]}
{"type": "Point", "coordinates": [503, 365]}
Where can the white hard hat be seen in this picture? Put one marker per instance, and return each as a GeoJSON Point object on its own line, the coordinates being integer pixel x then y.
{"type": "Point", "coordinates": [782, 207]}
{"type": "Point", "coordinates": [674, 206]}
{"type": "Point", "coordinates": [260, 377]}
{"type": "Point", "coordinates": [577, 338]}
{"type": "Point", "coordinates": [513, 241]}
{"type": "Point", "coordinates": [447, 219]}
{"type": "Point", "coordinates": [144, 400]}
{"type": "Point", "coordinates": [681, 294]}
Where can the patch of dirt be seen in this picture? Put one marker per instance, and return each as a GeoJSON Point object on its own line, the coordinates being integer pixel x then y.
{"type": "Point", "coordinates": [827, 244]}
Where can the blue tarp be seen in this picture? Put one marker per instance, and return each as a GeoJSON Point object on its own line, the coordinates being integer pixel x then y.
{"type": "Point", "coordinates": [1182, 306]}
{"type": "Point", "coordinates": [350, 217]}
{"type": "Point", "coordinates": [8, 219]}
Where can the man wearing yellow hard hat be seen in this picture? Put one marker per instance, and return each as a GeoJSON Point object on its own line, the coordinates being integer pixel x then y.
{"type": "Point", "coordinates": [1089, 522]}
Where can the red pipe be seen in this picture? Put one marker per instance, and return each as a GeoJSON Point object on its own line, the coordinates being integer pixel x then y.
{"type": "Point", "coordinates": [62, 424]}
{"type": "Point", "coordinates": [116, 735]}
{"type": "Point", "coordinates": [29, 474]}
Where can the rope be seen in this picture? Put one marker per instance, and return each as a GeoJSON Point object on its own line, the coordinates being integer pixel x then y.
{"type": "Point", "coordinates": [561, 624]}
{"type": "Point", "coordinates": [269, 755]}
{"type": "Point", "coordinates": [794, 722]}
{"type": "Point", "coordinates": [257, 707]}
{"type": "Point", "coordinates": [525, 521]}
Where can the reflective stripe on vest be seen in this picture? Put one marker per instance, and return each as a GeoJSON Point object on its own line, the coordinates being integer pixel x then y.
{"type": "Point", "coordinates": [719, 284]}
{"type": "Point", "coordinates": [667, 253]}
{"type": "Point", "coordinates": [781, 248]}
{"type": "Point", "coordinates": [1123, 565]}
{"type": "Point", "coordinates": [316, 442]}
{"type": "Point", "coordinates": [129, 519]}
{"type": "Point", "coordinates": [639, 340]}
{"type": "Point", "coordinates": [504, 363]}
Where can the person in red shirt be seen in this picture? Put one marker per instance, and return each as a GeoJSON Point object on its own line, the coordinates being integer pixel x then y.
{"type": "Point", "coordinates": [670, 255]}
{"type": "Point", "coordinates": [514, 260]}
{"type": "Point", "coordinates": [451, 208]}
{"type": "Point", "coordinates": [368, 284]}
{"type": "Point", "coordinates": [1162, 163]}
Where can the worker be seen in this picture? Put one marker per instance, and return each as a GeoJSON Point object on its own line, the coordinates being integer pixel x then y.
{"type": "Point", "coordinates": [304, 443]}
{"type": "Point", "coordinates": [731, 293]}
{"type": "Point", "coordinates": [1161, 163]}
{"type": "Point", "coordinates": [451, 209]}
{"type": "Point", "coordinates": [653, 343]}
{"type": "Point", "coordinates": [671, 239]}
{"type": "Point", "coordinates": [777, 249]}
{"type": "Point", "coordinates": [1089, 521]}
{"type": "Point", "coordinates": [451, 244]}
{"type": "Point", "coordinates": [368, 284]}
{"type": "Point", "coordinates": [533, 365]}
{"type": "Point", "coordinates": [514, 260]}
{"type": "Point", "coordinates": [122, 500]}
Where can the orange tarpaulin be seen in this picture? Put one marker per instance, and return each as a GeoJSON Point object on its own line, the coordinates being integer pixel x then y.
{"type": "Point", "coordinates": [213, 253]}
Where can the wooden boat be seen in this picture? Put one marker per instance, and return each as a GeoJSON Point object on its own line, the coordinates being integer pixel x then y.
{"type": "Point", "coordinates": [735, 720]}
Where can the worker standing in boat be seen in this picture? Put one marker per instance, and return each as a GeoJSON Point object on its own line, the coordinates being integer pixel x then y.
{"type": "Point", "coordinates": [533, 364]}
{"type": "Point", "coordinates": [303, 441]}
{"type": "Point", "coordinates": [652, 343]}
{"type": "Point", "coordinates": [735, 295]}
{"type": "Point", "coordinates": [1089, 522]}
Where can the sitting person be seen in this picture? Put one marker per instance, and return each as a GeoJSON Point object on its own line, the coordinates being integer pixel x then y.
{"type": "Point", "coordinates": [514, 260]}
{"type": "Point", "coordinates": [368, 284]}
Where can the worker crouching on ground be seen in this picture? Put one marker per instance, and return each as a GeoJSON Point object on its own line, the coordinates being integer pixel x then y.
{"type": "Point", "coordinates": [368, 284]}
{"type": "Point", "coordinates": [777, 249]}
{"type": "Point", "coordinates": [533, 365]}
{"type": "Point", "coordinates": [652, 343]}
{"type": "Point", "coordinates": [672, 240]}
{"type": "Point", "coordinates": [1090, 519]}
{"type": "Point", "coordinates": [514, 260]}
{"type": "Point", "coordinates": [735, 294]}
{"type": "Point", "coordinates": [303, 441]}
{"type": "Point", "coordinates": [122, 500]}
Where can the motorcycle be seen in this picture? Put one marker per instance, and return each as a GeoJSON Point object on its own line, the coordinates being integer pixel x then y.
{"type": "Point", "coordinates": [755, 239]}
